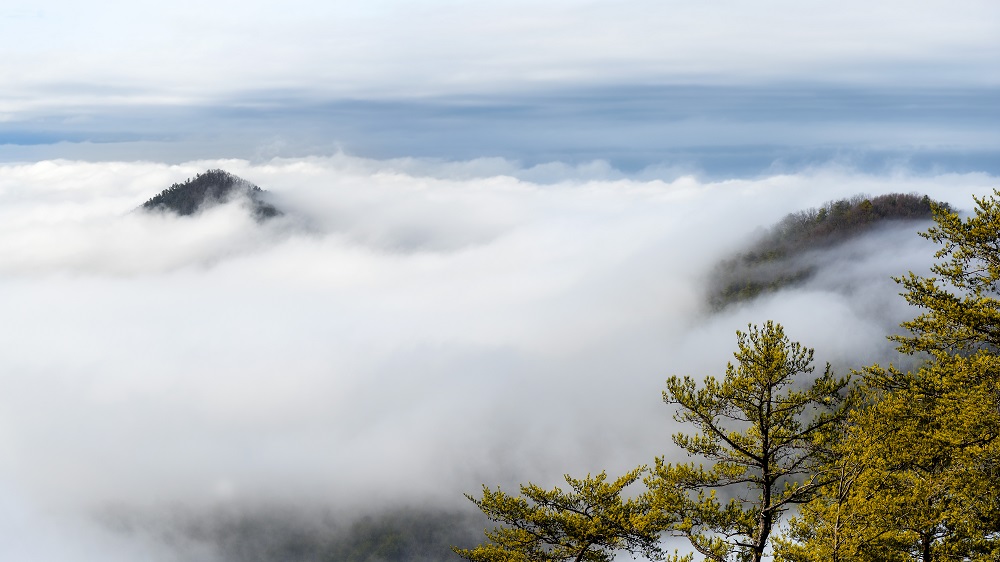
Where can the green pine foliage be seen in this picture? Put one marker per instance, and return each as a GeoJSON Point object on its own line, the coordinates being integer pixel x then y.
{"type": "Point", "coordinates": [961, 304]}
{"type": "Point", "coordinates": [922, 447]}
{"type": "Point", "coordinates": [898, 467]}
{"type": "Point", "coordinates": [590, 522]}
{"type": "Point", "coordinates": [766, 428]}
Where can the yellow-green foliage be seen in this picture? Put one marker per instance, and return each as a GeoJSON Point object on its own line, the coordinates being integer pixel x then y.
{"type": "Point", "coordinates": [588, 523]}
{"type": "Point", "coordinates": [905, 467]}
{"type": "Point", "coordinates": [919, 463]}
{"type": "Point", "coordinates": [916, 474]}
{"type": "Point", "coordinates": [962, 311]}
{"type": "Point", "coordinates": [764, 430]}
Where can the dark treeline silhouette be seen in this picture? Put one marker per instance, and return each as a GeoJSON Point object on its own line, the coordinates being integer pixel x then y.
{"type": "Point", "coordinates": [303, 535]}
{"type": "Point", "coordinates": [212, 187]}
{"type": "Point", "coordinates": [769, 265]}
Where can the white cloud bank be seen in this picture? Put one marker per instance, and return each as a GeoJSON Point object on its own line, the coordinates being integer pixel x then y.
{"type": "Point", "coordinates": [408, 331]}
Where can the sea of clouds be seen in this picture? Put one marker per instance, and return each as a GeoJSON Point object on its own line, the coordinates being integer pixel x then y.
{"type": "Point", "coordinates": [407, 331]}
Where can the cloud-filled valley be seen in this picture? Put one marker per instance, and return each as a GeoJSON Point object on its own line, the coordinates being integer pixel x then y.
{"type": "Point", "coordinates": [406, 332]}
{"type": "Point", "coordinates": [500, 228]}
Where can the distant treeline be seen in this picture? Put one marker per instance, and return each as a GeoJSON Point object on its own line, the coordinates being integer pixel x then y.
{"type": "Point", "coordinates": [212, 187]}
{"type": "Point", "coordinates": [768, 265]}
{"type": "Point", "coordinates": [303, 535]}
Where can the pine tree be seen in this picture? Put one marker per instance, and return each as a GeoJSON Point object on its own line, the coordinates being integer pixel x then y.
{"type": "Point", "coordinates": [765, 428]}
{"type": "Point", "coordinates": [961, 305]}
{"type": "Point", "coordinates": [588, 523]}
{"type": "Point", "coordinates": [920, 458]}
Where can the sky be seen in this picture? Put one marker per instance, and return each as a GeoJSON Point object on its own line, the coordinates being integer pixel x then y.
{"type": "Point", "coordinates": [722, 89]}
{"type": "Point", "coordinates": [500, 222]}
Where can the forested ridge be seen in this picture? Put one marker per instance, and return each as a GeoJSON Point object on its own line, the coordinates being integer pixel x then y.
{"type": "Point", "coordinates": [798, 464]}
{"type": "Point", "coordinates": [771, 262]}
{"type": "Point", "coordinates": [212, 187]}
{"type": "Point", "coordinates": [277, 533]}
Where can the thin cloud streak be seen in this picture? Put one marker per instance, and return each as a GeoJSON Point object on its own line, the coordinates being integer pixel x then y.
{"type": "Point", "coordinates": [668, 131]}
{"type": "Point", "coordinates": [206, 50]}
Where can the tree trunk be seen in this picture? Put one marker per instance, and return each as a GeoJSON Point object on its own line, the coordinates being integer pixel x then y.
{"type": "Point", "coordinates": [763, 529]}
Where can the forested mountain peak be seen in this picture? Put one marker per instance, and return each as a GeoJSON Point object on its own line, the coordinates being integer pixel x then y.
{"type": "Point", "coordinates": [210, 188]}
{"type": "Point", "coordinates": [769, 264]}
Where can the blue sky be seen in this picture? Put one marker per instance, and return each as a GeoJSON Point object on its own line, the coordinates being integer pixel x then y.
{"type": "Point", "coordinates": [721, 89]}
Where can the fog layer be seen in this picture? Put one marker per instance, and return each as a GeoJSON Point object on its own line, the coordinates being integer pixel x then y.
{"type": "Point", "coordinates": [404, 333]}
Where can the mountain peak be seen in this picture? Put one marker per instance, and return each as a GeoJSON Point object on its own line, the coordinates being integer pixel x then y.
{"type": "Point", "coordinates": [210, 188]}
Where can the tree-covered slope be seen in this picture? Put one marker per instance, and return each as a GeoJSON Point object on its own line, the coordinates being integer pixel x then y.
{"type": "Point", "coordinates": [771, 262]}
{"type": "Point", "coordinates": [304, 534]}
{"type": "Point", "coordinates": [211, 188]}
